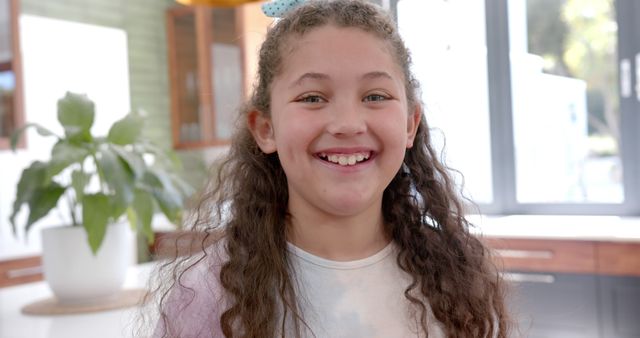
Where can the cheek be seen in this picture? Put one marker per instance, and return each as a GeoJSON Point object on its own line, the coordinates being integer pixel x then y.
{"type": "Point", "coordinates": [394, 131]}
{"type": "Point", "coordinates": [297, 130]}
{"type": "Point", "coordinates": [292, 143]}
{"type": "Point", "coordinates": [287, 134]}
{"type": "Point", "coordinates": [395, 141]}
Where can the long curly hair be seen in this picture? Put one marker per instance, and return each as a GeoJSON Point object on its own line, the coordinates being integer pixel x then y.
{"type": "Point", "coordinates": [246, 203]}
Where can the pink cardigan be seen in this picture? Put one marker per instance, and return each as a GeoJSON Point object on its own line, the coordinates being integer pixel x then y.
{"type": "Point", "coordinates": [196, 301]}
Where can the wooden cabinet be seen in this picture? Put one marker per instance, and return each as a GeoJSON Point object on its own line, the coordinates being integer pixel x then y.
{"type": "Point", "coordinates": [11, 91]}
{"type": "Point", "coordinates": [567, 256]}
{"type": "Point", "coordinates": [555, 305]}
{"type": "Point", "coordinates": [620, 306]}
{"type": "Point", "coordinates": [575, 305]}
{"type": "Point", "coordinates": [571, 288]}
{"type": "Point", "coordinates": [21, 270]}
{"type": "Point", "coordinates": [618, 259]}
{"type": "Point", "coordinates": [544, 255]}
{"type": "Point", "coordinates": [213, 54]}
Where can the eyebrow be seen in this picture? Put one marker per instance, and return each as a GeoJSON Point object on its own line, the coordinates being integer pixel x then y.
{"type": "Point", "coordinates": [321, 76]}
{"type": "Point", "coordinates": [376, 75]}
{"type": "Point", "coordinates": [311, 75]}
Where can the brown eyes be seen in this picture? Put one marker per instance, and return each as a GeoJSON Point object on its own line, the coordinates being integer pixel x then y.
{"type": "Point", "coordinates": [311, 99]}
{"type": "Point", "coordinates": [320, 99]}
{"type": "Point", "coordinates": [375, 98]}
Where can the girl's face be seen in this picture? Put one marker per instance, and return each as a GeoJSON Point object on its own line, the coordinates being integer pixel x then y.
{"type": "Point", "coordinates": [339, 122]}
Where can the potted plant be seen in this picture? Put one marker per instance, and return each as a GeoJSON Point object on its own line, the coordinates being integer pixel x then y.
{"type": "Point", "coordinates": [97, 182]}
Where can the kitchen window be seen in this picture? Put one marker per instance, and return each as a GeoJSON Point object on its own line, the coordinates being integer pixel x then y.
{"type": "Point", "coordinates": [539, 100]}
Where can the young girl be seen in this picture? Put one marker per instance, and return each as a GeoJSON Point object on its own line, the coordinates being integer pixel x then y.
{"type": "Point", "coordinates": [331, 215]}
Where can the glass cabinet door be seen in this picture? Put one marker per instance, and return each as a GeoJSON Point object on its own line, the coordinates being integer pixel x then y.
{"type": "Point", "coordinates": [10, 73]}
{"type": "Point", "coordinates": [226, 62]}
{"type": "Point", "coordinates": [185, 82]}
{"type": "Point", "coordinates": [211, 56]}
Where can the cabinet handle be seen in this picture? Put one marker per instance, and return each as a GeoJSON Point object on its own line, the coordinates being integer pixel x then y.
{"type": "Point", "coordinates": [625, 78]}
{"type": "Point", "coordinates": [529, 278]}
{"type": "Point", "coordinates": [24, 272]}
{"type": "Point", "coordinates": [638, 77]}
{"type": "Point", "coordinates": [511, 253]}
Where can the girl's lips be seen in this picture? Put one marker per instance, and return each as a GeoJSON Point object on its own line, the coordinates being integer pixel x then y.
{"type": "Point", "coordinates": [346, 150]}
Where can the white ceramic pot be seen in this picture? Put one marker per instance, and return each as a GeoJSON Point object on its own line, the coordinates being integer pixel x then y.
{"type": "Point", "coordinates": [74, 274]}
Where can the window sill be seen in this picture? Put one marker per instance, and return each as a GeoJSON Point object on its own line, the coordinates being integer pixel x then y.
{"type": "Point", "coordinates": [587, 228]}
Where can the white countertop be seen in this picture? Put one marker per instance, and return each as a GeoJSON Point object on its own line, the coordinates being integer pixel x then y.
{"type": "Point", "coordinates": [587, 228]}
{"type": "Point", "coordinates": [107, 324]}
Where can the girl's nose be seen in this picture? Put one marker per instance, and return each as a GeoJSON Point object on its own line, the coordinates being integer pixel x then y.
{"type": "Point", "coordinates": [346, 120]}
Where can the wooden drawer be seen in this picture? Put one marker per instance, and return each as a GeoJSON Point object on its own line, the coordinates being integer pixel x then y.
{"type": "Point", "coordinates": [544, 255]}
{"type": "Point", "coordinates": [618, 258]}
{"type": "Point", "coordinates": [22, 270]}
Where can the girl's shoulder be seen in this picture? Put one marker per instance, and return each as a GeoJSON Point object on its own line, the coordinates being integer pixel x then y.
{"type": "Point", "coordinates": [196, 298]}
{"type": "Point", "coordinates": [201, 269]}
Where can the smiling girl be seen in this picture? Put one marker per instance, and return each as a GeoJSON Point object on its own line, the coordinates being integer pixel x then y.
{"type": "Point", "coordinates": [338, 220]}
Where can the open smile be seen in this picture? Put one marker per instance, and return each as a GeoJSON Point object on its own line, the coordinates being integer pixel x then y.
{"type": "Point", "coordinates": [346, 159]}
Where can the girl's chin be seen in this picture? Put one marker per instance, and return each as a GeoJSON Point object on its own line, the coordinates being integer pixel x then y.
{"type": "Point", "coordinates": [350, 207]}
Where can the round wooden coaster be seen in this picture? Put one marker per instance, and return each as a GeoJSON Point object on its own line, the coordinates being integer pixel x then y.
{"type": "Point", "coordinates": [50, 306]}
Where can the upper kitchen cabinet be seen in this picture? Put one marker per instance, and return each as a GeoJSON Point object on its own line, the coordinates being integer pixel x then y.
{"type": "Point", "coordinates": [11, 107]}
{"type": "Point", "coordinates": [213, 53]}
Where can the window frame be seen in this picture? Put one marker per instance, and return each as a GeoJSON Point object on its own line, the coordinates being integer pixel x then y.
{"type": "Point", "coordinates": [15, 64]}
{"type": "Point", "coordinates": [501, 119]}
{"type": "Point", "coordinates": [501, 115]}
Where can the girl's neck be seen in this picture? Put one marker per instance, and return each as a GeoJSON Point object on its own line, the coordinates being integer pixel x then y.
{"type": "Point", "coordinates": [338, 238]}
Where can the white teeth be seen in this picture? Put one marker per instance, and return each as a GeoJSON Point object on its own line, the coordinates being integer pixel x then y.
{"type": "Point", "coordinates": [345, 160]}
{"type": "Point", "coordinates": [352, 159]}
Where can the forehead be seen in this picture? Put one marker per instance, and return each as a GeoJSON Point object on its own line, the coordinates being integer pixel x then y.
{"type": "Point", "coordinates": [333, 47]}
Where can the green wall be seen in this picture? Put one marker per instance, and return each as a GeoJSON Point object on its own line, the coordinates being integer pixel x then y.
{"type": "Point", "coordinates": [144, 22]}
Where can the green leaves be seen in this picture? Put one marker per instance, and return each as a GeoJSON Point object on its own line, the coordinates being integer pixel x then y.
{"type": "Point", "coordinates": [101, 177]}
{"type": "Point", "coordinates": [118, 177]}
{"type": "Point", "coordinates": [63, 155]}
{"type": "Point", "coordinates": [76, 113]}
{"type": "Point", "coordinates": [165, 193]}
{"type": "Point", "coordinates": [31, 180]}
{"type": "Point", "coordinates": [43, 200]}
{"type": "Point", "coordinates": [142, 209]}
{"type": "Point", "coordinates": [127, 130]}
{"type": "Point", "coordinates": [34, 190]}
{"type": "Point", "coordinates": [15, 137]}
{"type": "Point", "coordinates": [79, 180]}
{"type": "Point", "coordinates": [95, 216]}
{"type": "Point", "coordinates": [133, 160]}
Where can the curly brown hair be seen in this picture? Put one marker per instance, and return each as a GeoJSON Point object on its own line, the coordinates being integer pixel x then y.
{"type": "Point", "coordinates": [246, 203]}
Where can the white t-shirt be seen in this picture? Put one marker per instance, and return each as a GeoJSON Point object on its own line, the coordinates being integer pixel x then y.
{"type": "Point", "coordinates": [356, 299]}
{"type": "Point", "coordinates": [362, 298]}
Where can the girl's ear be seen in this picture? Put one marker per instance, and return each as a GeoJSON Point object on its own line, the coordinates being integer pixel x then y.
{"type": "Point", "coordinates": [262, 130]}
{"type": "Point", "coordinates": [412, 125]}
